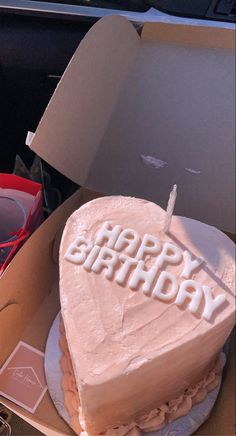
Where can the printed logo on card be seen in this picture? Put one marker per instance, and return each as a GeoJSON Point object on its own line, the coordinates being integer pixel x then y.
{"type": "Point", "coordinates": [22, 378]}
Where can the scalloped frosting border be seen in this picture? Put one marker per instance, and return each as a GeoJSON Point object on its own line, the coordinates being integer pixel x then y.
{"type": "Point", "coordinates": [152, 421]}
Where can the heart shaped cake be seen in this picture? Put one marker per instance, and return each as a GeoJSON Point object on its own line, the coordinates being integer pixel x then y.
{"type": "Point", "coordinates": [145, 313]}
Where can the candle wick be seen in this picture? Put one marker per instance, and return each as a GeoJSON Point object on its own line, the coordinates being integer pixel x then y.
{"type": "Point", "coordinates": [170, 209]}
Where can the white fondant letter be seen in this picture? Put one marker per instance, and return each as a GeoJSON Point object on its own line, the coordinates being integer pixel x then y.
{"type": "Point", "coordinates": [108, 259]}
{"type": "Point", "coordinates": [142, 275]}
{"type": "Point", "coordinates": [149, 245]}
{"type": "Point", "coordinates": [185, 291]}
{"type": "Point", "coordinates": [129, 240]}
{"type": "Point", "coordinates": [162, 280]}
{"type": "Point", "coordinates": [78, 250]}
{"type": "Point", "coordinates": [170, 254]}
{"type": "Point", "coordinates": [123, 272]}
{"type": "Point", "coordinates": [190, 265]}
{"type": "Point", "coordinates": [211, 304]}
{"type": "Point", "coordinates": [108, 234]}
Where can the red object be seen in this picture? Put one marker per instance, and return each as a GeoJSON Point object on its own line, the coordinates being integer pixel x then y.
{"type": "Point", "coordinates": [26, 200]}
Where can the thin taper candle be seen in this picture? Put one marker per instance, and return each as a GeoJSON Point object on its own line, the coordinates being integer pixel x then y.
{"type": "Point", "coordinates": [170, 209]}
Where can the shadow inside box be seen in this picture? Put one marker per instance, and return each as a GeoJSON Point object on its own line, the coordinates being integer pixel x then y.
{"type": "Point", "coordinates": [15, 426]}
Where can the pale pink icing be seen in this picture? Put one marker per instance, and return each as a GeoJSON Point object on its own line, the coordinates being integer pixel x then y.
{"type": "Point", "coordinates": [130, 352]}
{"type": "Point", "coordinates": [152, 421]}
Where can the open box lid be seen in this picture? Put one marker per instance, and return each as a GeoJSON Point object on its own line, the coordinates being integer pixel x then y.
{"type": "Point", "coordinates": [135, 115]}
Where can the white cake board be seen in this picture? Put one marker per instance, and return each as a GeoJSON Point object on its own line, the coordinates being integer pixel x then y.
{"type": "Point", "coordinates": [182, 426]}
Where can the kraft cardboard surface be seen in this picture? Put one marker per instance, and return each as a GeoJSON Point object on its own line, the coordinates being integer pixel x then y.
{"type": "Point", "coordinates": [30, 275]}
{"type": "Point", "coordinates": [167, 97]}
{"type": "Point", "coordinates": [91, 86]}
{"type": "Point", "coordinates": [32, 280]}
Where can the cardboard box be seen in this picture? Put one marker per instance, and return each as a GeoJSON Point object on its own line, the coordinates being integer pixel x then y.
{"type": "Point", "coordinates": [122, 99]}
{"type": "Point", "coordinates": [29, 302]}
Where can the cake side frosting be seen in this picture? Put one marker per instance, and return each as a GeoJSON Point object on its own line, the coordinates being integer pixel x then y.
{"type": "Point", "coordinates": [152, 421]}
{"type": "Point", "coordinates": [145, 313]}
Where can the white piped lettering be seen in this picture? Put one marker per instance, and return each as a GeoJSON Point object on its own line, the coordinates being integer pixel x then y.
{"type": "Point", "coordinates": [78, 250]}
{"type": "Point", "coordinates": [128, 240]}
{"type": "Point", "coordinates": [108, 235]}
{"type": "Point", "coordinates": [170, 254]}
{"type": "Point", "coordinates": [128, 263]}
{"type": "Point", "coordinates": [149, 245]}
{"type": "Point", "coordinates": [142, 275]}
{"type": "Point", "coordinates": [164, 278]}
{"type": "Point", "coordinates": [211, 303]}
{"type": "Point", "coordinates": [91, 257]}
{"type": "Point", "coordinates": [185, 292]}
{"type": "Point", "coordinates": [133, 271]}
{"type": "Point", "coordinates": [107, 259]}
{"type": "Point", "coordinates": [190, 265]}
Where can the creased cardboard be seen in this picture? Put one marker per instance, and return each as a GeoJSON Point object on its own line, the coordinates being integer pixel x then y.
{"type": "Point", "coordinates": [170, 95]}
{"type": "Point", "coordinates": [91, 86]}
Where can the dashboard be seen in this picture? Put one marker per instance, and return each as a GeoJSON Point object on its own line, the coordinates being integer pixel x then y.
{"type": "Point", "coordinates": [138, 10]}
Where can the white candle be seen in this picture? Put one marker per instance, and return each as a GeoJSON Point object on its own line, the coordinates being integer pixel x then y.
{"type": "Point", "coordinates": [170, 209]}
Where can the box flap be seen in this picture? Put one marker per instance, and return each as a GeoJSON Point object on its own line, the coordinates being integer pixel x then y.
{"type": "Point", "coordinates": [72, 128]}
{"type": "Point", "coordinates": [134, 116]}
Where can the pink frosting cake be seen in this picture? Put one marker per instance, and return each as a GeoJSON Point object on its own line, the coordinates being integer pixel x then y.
{"type": "Point", "coordinates": [145, 314]}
